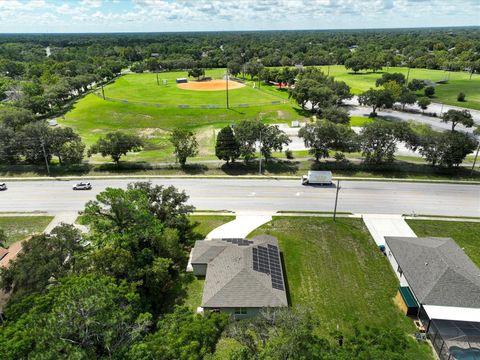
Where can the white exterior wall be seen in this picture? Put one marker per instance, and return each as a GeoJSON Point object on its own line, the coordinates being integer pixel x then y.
{"type": "Point", "coordinates": [251, 312]}
{"type": "Point", "coordinates": [394, 264]}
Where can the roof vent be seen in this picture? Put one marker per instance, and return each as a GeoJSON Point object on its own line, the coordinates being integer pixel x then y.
{"type": "Point", "coordinates": [426, 263]}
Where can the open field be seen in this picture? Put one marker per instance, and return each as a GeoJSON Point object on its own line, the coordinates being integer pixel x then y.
{"type": "Point", "coordinates": [465, 234]}
{"type": "Point", "coordinates": [143, 88]}
{"type": "Point", "coordinates": [444, 93]}
{"type": "Point", "coordinates": [93, 117]}
{"type": "Point", "coordinates": [19, 227]}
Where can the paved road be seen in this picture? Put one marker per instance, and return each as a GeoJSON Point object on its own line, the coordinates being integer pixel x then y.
{"type": "Point", "coordinates": [247, 196]}
{"type": "Point", "coordinates": [356, 110]}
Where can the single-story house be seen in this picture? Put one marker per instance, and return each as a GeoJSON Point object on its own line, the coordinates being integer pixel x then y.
{"type": "Point", "coordinates": [242, 276]}
{"type": "Point", "coordinates": [441, 285]}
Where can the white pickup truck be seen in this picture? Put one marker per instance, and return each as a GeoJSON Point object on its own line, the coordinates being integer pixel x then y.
{"type": "Point", "coordinates": [317, 178]}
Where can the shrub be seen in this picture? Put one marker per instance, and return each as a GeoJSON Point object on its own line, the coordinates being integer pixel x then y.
{"type": "Point", "coordinates": [429, 91]}
{"type": "Point", "coordinates": [289, 154]}
{"type": "Point", "coordinates": [461, 97]}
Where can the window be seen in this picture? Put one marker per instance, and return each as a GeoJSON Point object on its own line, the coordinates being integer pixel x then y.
{"type": "Point", "coordinates": [241, 311]}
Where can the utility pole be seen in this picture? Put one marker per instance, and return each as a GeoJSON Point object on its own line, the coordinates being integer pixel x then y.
{"type": "Point", "coordinates": [408, 74]}
{"type": "Point", "coordinates": [260, 158]}
{"type": "Point", "coordinates": [158, 83]}
{"type": "Point", "coordinates": [45, 156]}
{"type": "Point", "coordinates": [475, 160]}
{"type": "Point", "coordinates": [103, 91]}
{"type": "Point", "coordinates": [226, 75]}
{"type": "Point", "coordinates": [336, 201]}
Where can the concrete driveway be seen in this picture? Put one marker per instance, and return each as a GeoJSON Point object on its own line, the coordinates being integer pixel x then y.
{"type": "Point", "coordinates": [240, 227]}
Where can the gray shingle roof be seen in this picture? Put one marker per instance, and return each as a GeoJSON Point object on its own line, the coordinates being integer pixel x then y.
{"type": "Point", "coordinates": [437, 270]}
{"type": "Point", "coordinates": [230, 280]}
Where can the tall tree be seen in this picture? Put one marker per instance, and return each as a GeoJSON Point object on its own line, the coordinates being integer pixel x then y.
{"type": "Point", "coordinates": [43, 261]}
{"type": "Point", "coordinates": [387, 77]}
{"type": "Point", "coordinates": [185, 144]}
{"type": "Point", "coordinates": [116, 144]}
{"type": "Point", "coordinates": [247, 133]}
{"type": "Point", "coordinates": [226, 146]}
{"type": "Point", "coordinates": [141, 235]}
{"type": "Point", "coordinates": [83, 317]}
{"type": "Point", "coordinates": [376, 99]}
{"type": "Point", "coordinates": [182, 335]}
{"type": "Point", "coordinates": [272, 139]}
{"type": "Point", "coordinates": [379, 140]}
{"type": "Point", "coordinates": [325, 135]}
{"type": "Point", "coordinates": [463, 117]}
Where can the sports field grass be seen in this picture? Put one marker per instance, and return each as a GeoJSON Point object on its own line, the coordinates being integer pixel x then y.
{"type": "Point", "coordinates": [465, 234]}
{"type": "Point", "coordinates": [444, 93]}
{"type": "Point", "coordinates": [19, 227]}
{"type": "Point", "coordinates": [143, 88]}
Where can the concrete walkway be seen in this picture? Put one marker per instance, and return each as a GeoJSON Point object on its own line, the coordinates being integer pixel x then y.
{"type": "Point", "coordinates": [240, 227]}
{"type": "Point", "coordinates": [381, 225]}
{"type": "Point", "coordinates": [67, 218]}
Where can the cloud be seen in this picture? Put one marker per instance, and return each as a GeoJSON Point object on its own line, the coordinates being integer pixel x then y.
{"type": "Point", "coordinates": [178, 15]}
{"type": "Point", "coordinates": [91, 3]}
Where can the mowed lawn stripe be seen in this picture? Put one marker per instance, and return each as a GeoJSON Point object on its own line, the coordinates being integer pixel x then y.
{"type": "Point", "coordinates": [336, 268]}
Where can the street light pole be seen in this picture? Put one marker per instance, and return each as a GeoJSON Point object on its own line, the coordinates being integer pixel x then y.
{"type": "Point", "coordinates": [228, 105]}
{"type": "Point", "coordinates": [475, 160]}
{"type": "Point", "coordinates": [336, 201]}
{"type": "Point", "coordinates": [260, 157]}
{"type": "Point", "coordinates": [45, 156]}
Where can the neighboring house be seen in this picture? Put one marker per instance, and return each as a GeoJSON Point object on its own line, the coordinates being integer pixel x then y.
{"type": "Point", "coordinates": [242, 276]}
{"type": "Point", "coordinates": [443, 284]}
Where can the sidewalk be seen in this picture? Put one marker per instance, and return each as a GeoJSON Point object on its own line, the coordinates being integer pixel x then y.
{"type": "Point", "coordinates": [381, 225]}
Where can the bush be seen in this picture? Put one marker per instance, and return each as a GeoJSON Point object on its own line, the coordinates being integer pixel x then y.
{"type": "Point", "coordinates": [289, 154]}
{"type": "Point", "coordinates": [339, 156]}
{"type": "Point", "coordinates": [429, 91]}
{"type": "Point", "coordinates": [461, 97]}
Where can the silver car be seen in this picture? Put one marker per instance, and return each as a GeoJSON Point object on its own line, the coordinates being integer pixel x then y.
{"type": "Point", "coordinates": [82, 186]}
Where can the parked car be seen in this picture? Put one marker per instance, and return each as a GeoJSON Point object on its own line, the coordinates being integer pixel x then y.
{"type": "Point", "coordinates": [3, 186]}
{"type": "Point", "coordinates": [82, 186]}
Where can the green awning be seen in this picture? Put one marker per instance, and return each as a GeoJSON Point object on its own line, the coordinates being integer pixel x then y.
{"type": "Point", "coordinates": [408, 297]}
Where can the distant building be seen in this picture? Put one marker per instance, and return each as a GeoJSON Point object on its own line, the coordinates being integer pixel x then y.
{"type": "Point", "coordinates": [242, 276]}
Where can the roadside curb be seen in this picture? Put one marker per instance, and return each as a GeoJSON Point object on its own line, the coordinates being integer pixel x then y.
{"type": "Point", "coordinates": [233, 177]}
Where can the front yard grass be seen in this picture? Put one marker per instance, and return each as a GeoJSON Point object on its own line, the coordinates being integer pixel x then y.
{"type": "Point", "coordinates": [19, 227]}
{"type": "Point", "coordinates": [465, 234]}
{"type": "Point", "coordinates": [336, 269]}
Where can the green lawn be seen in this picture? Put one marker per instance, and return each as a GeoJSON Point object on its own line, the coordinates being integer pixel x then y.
{"type": "Point", "coordinates": [336, 269]}
{"type": "Point", "coordinates": [465, 234]}
{"type": "Point", "coordinates": [143, 88]}
{"type": "Point", "coordinates": [207, 223]}
{"type": "Point", "coordinates": [19, 227]}
{"type": "Point", "coordinates": [93, 117]}
{"type": "Point", "coordinates": [446, 93]}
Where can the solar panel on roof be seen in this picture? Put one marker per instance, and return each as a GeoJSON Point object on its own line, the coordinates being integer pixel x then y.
{"type": "Point", "coordinates": [267, 260]}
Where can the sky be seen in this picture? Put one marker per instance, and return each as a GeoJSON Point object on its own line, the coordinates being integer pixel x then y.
{"type": "Point", "coordinates": [73, 16]}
